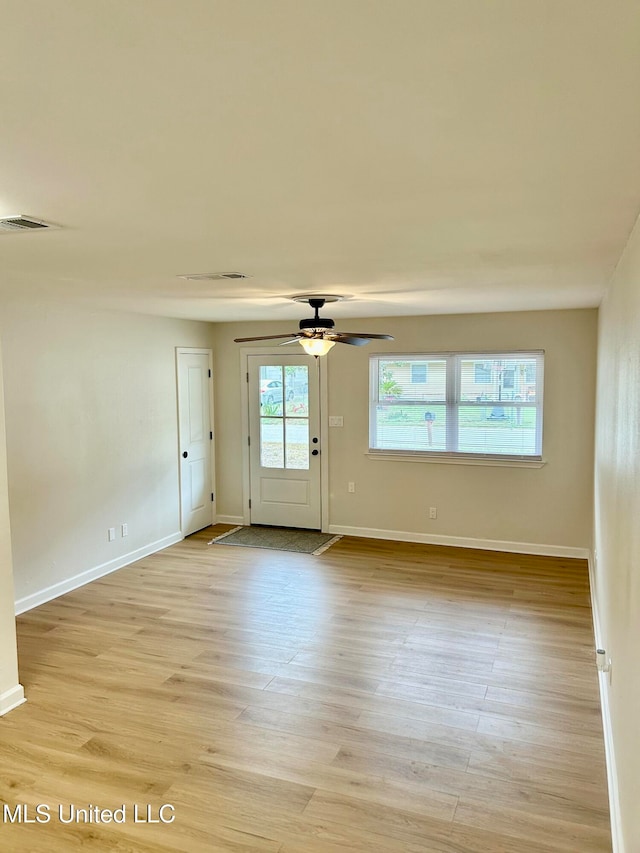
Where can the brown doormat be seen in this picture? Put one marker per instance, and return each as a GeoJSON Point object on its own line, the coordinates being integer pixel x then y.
{"type": "Point", "coordinates": [278, 539]}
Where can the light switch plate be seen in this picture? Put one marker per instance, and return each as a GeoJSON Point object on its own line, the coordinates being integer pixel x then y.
{"type": "Point", "coordinates": [336, 420]}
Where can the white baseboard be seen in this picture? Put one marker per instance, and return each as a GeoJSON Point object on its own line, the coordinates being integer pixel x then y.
{"type": "Point", "coordinates": [565, 551]}
{"type": "Point", "coordinates": [617, 838]}
{"type": "Point", "coordinates": [60, 588]}
{"type": "Point", "coordinates": [230, 519]}
{"type": "Point", "coordinates": [10, 699]}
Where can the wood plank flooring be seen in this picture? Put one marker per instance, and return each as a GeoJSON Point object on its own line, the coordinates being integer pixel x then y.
{"type": "Point", "coordinates": [381, 697]}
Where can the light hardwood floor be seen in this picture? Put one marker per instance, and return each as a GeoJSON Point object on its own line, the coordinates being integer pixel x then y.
{"type": "Point", "coordinates": [381, 698]}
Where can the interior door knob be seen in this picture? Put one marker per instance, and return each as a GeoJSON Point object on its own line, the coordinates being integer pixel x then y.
{"type": "Point", "coordinates": [185, 454]}
{"type": "Point", "coordinates": [315, 452]}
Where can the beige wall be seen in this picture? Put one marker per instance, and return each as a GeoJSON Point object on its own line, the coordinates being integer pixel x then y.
{"type": "Point", "coordinates": [547, 506]}
{"type": "Point", "coordinates": [10, 692]}
{"type": "Point", "coordinates": [91, 435]}
{"type": "Point", "coordinates": [617, 522]}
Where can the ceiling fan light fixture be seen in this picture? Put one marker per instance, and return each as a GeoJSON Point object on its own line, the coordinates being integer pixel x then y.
{"type": "Point", "coordinates": [316, 346]}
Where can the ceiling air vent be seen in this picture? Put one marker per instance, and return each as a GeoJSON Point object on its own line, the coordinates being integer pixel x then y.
{"type": "Point", "coordinates": [213, 276]}
{"type": "Point", "coordinates": [24, 223]}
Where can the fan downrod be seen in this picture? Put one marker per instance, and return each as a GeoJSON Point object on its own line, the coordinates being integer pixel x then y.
{"type": "Point", "coordinates": [316, 322]}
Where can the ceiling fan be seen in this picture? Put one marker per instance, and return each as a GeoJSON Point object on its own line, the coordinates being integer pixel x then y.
{"type": "Point", "coordinates": [317, 334]}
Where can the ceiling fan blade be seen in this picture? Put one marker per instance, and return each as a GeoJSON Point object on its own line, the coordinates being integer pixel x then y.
{"type": "Point", "coordinates": [263, 338]}
{"type": "Point", "coordinates": [292, 341]}
{"type": "Point", "coordinates": [341, 338]}
{"type": "Point", "coordinates": [370, 336]}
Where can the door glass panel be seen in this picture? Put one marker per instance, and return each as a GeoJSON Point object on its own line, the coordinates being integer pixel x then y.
{"type": "Point", "coordinates": [272, 442]}
{"type": "Point", "coordinates": [296, 390]}
{"type": "Point", "coordinates": [284, 416]}
{"type": "Point", "coordinates": [297, 443]}
{"type": "Point", "coordinates": [271, 390]}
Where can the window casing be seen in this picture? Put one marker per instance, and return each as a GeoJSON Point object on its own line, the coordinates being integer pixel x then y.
{"type": "Point", "coordinates": [475, 405]}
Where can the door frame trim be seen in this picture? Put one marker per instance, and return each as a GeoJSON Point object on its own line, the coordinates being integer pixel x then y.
{"type": "Point", "coordinates": [212, 472]}
{"type": "Point", "coordinates": [245, 352]}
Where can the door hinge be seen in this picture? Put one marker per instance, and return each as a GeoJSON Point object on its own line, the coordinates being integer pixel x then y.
{"type": "Point", "coordinates": [209, 373]}
{"type": "Point", "coordinates": [212, 498]}
{"type": "Point", "coordinates": [210, 435]}
{"type": "Point", "coordinates": [249, 440]}
{"type": "Point", "coordinates": [247, 377]}
{"type": "Point", "coordinates": [249, 503]}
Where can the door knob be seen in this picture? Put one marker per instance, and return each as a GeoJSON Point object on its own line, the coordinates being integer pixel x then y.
{"type": "Point", "coordinates": [315, 452]}
{"type": "Point", "coordinates": [185, 454]}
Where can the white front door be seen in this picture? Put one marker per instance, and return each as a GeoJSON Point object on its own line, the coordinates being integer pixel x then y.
{"type": "Point", "coordinates": [284, 440]}
{"type": "Point", "coordinates": [195, 439]}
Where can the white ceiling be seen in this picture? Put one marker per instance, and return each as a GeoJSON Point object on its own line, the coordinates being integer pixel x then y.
{"type": "Point", "coordinates": [417, 156]}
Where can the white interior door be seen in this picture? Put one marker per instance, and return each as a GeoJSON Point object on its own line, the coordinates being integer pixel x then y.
{"type": "Point", "coordinates": [284, 440]}
{"type": "Point", "coordinates": [195, 439]}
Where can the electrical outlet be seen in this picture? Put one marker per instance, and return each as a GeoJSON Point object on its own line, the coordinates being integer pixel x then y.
{"type": "Point", "coordinates": [111, 534]}
{"type": "Point", "coordinates": [433, 512]}
{"type": "Point", "coordinates": [351, 487]}
{"type": "Point", "coordinates": [125, 529]}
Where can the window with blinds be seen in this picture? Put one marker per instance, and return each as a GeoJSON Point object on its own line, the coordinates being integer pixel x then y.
{"type": "Point", "coordinates": [464, 404]}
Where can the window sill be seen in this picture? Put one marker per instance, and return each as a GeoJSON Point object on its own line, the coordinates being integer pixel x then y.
{"type": "Point", "coordinates": [492, 461]}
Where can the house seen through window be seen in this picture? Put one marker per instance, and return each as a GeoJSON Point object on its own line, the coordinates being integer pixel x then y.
{"type": "Point", "coordinates": [465, 404]}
